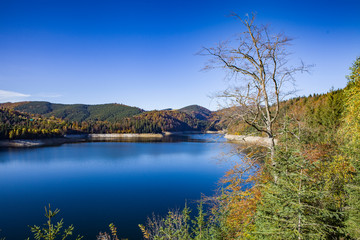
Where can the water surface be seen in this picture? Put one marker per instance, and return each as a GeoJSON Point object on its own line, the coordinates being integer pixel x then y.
{"type": "Point", "coordinates": [97, 183]}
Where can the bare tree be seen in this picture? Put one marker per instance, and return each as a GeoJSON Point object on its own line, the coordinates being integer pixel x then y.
{"type": "Point", "coordinates": [259, 62]}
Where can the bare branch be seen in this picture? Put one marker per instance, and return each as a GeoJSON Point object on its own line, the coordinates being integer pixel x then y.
{"type": "Point", "coordinates": [259, 60]}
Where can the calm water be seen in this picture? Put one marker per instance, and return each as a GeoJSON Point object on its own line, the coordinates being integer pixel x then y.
{"type": "Point", "coordinates": [97, 183]}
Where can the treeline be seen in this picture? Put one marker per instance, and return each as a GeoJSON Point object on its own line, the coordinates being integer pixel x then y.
{"type": "Point", "coordinates": [310, 188]}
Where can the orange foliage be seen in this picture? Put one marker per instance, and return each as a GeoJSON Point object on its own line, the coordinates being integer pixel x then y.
{"type": "Point", "coordinates": [241, 196]}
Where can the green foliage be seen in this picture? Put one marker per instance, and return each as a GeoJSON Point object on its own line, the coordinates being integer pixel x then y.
{"type": "Point", "coordinates": [111, 112]}
{"type": "Point", "coordinates": [294, 203]}
{"type": "Point", "coordinates": [51, 231]}
{"type": "Point", "coordinates": [323, 118]}
{"type": "Point", "coordinates": [74, 112]}
{"type": "Point", "coordinates": [34, 107]}
{"type": "Point", "coordinates": [175, 226]}
{"type": "Point", "coordinates": [199, 223]}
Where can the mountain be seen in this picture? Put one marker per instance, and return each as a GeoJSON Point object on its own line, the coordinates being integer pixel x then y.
{"type": "Point", "coordinates": [197, 111]}
{"type": "Point", "coordinates": [76, 112]}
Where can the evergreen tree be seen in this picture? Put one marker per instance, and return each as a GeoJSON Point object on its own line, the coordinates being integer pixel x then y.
{"type": "Point", "coordinates": [292, 206]}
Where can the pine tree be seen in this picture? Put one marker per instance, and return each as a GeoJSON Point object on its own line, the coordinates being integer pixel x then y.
{"type": "Point", "coordinates": [292, 207]}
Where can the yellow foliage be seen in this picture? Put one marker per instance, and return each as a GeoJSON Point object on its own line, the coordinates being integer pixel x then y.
{"type": "Point", "coordinates": [146, 234]}
{"type": "Point", "coordinates": [351, 125]}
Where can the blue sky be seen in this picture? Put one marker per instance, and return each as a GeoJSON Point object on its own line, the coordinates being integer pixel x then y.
{"type": "Point", "coordinates": [143, 53]}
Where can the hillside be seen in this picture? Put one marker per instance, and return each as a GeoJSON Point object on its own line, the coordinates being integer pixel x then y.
{"type": "Point", "coordinates": [76, 112]}
{"type": "Point", "coordinates": [197, 111]}
{"type": "Point", "coordinates": [173, 121]}
{"type": "Point", "coordinates": [313, 115]}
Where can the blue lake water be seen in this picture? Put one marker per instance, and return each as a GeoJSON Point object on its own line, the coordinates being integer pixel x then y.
{"type": "Point", "coordinates": [97, 183]}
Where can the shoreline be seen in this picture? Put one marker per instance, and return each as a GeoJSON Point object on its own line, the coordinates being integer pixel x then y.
{"type": "Point", "coordinates": [245, 139]}
{"type": "Point", "coordinates": [30, 143]}
{"type": "Point", "coordinates": [76, 138]}
{"type": "Point", "coordinates": [99, 136]}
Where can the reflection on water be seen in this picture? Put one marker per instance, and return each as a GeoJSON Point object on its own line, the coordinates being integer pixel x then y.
{"type": "Point", "coordinates": [97, 183]}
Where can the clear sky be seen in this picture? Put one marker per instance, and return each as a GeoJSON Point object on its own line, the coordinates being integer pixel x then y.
{"type": "Point", "coordinates": [143, 53]}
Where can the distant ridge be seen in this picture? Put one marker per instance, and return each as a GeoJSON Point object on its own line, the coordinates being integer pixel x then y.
{"type": "Point", "coordinates": [76, 112]}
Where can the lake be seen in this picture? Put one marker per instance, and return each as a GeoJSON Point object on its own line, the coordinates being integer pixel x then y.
{"type": "Point", "coordinates": [98, 183]}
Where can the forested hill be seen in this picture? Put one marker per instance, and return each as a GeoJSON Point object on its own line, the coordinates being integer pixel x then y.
{"type": "Point", "coordinates": [173, 121]}
{"type": "Point", "coordinates": [76, 112]}
{"type": "Point", "coordinates": [197, 111]}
